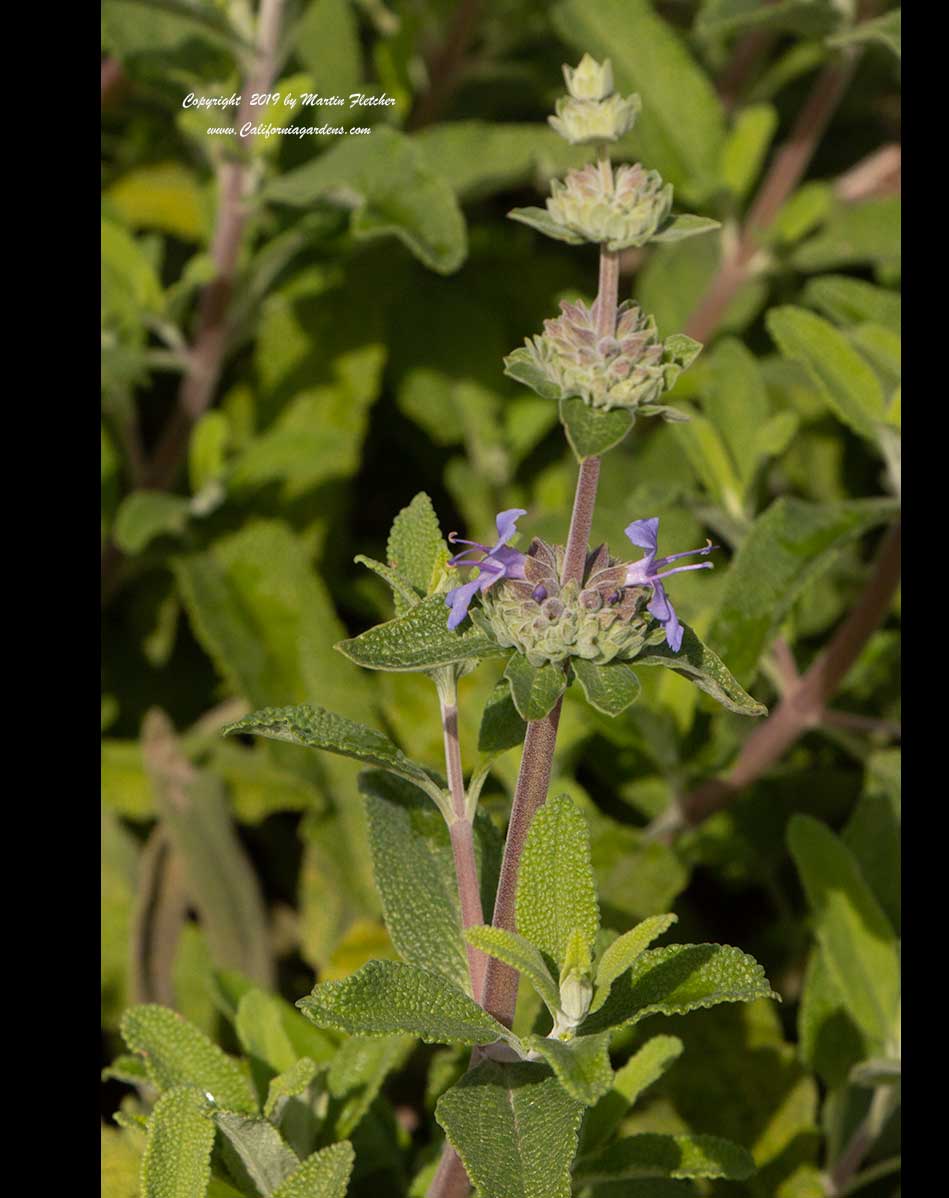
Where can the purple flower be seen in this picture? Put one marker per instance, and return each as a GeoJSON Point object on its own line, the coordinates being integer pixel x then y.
{"type": "Point", "coordinates": [498, 562]}
{"type": "Point", "coordinates": [645, 534]}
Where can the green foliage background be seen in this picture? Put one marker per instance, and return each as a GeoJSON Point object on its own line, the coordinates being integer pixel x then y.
{"type": "Point", "coordinates": [377, 288]}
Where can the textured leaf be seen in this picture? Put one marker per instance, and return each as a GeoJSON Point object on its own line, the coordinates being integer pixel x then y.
{"type": "Point", "coordinates": [556, 893]}
{"type": "Point", "coordinates": [177, 1054]}
{"type": "Point", "coordinates": [541, 220]}
{"type": "Point", "coordinates": [255, 1150]}
{"type": "Point", "coordinates": [404, 596]}
{"type": "Point", "coordinates": [701, 666]}
{"type": "Point", "coordinates": [846, 382]}
{"type": "Point", "coordinates": [670, 1156]}
{"type": "Point", "coordinates": [290, 1084]}
{"type": "Point", "coordinates": [680, 978]}
{"type": "Point", "coordinates": [419, 640]}
{"type": "Point", "coordinates": [639, 1072]}
{"type": "Point", "coordinates": [416, 547]}
{"type": "Point", "coordinates": [610, 688]}
{"type": "Point", "coordinates": [789, 546]}
{"type": "Point", "coordinates": [515, 1129]}
{"type": "Point", "coordinates": [356, 1075]}
{"type": "Point", "coordinates": [685, 224]}
{"type": "Point", "coordinates": [582, 1065]}
{"type": "Point", "coordinates": [386, 183]}
{"type": "Point", "coordinates": [319, 729]}
{"type": "Point", "coordinates": [534, 689]}
{"type": "Point", "coordinates": [325, 1174]}
{"type": "Point", "coordinates": [387, 998]}
{"type": "Point", "coordinates": [521, 955]}
{"type": "Point", "coordinates": [621, 954]}
{"type": "Point", "coordinates": [681, 127]}
{"type": "Point", "coordinates": [590, 432]}
{"type": "Point", "coordinates": [857, 940]}
{"type": "Point", "coordinates": [501, 725]}
{"type": "Point", "coordinates": [177, 1160]}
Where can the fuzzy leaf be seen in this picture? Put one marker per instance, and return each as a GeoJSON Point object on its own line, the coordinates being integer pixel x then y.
{"type": "Point", "coordinates": [843, 378]}
{"type": "Point", "coordinates": [701, 666]}
{"type": "Point", "coordinates": [683, 225]}
{"type": "Point", "coordinates": [857, 940]}
{"type": "Point", "coordinates": [521, 955]}
{"type": "Point", "coordinates": [177, 1054]}
{"type": "Point", "coordinates": [419, 640]}
{"type": "Point", "coordinates": [515, 1129]}
{"type": "Point", "coordinates": [556, 893]}
{"type": "Point", "coordinates": [639, 1072]}
{"type": "Point", "coordinates": [582, 1065]}
{"type": "Point", "coordinates": [255, 1151]}
{"type": "Point", "coordinates": [415, 547]}
{"type": "Point", "coordinates": [177, 1160]}
{"type": "Point", "coordinates": [610, 688]}
{"type": "Point", "coordinates": [319, 729]}
{"type": "Point", "coordinates": [387, 998]}
{"type": "Point", "coordinates": [414, 869]}
{"type": "Point", "coordinates": [403, 595]}
{"type": "Point", "coordinates": [541, 220]}
{"type": "Point", "coordinates": [621, 954]}
{"type": "Point", "coordinates": [325, 1174]}
{"type": "Point", "coordinates": [520, 366]}
{"type": "Point", "coordinates": [290, 1084]}
{"type": "Point", "coordinates": [590, 432]}
{"type": "Point", "coordinates": [656, 1155]}
{"type": "Point", "coordinates": [501, 725]}
{"type": "Point", "coordinates": [677, 979]}
{"type": "Point", "coordinates": [534, 689]}
{"type": "Point", "coordinates": [385, 182]}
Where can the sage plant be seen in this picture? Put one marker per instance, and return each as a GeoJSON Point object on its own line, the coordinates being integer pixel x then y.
{"type": "Point", "coordinates": [529, 1117]}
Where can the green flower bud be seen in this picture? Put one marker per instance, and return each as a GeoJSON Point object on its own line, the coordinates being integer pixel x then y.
{"type": "Point", "coordinates": [630, 369]}
{"type": "Point", "coordinates": [625, 214]}
{"type": "Point", "coordinates": [600, 620]}
{"type": "Point", "coordinates": [589, 80]}
{"type": "Point", "coordinates": [584, 121]}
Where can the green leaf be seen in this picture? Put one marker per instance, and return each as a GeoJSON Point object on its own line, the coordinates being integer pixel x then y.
{"type": "Point", "coordinates": [610, 688]}
{"type": "Point", "coordinates": [385, 182]}
{"type": "Point", "coordinates": [682, 125]}
{"type": "Point", "coordinates": [856, 937]}
{"type": "Point", "coordinates": [701, 666]}
{"type": "Point", "coordinates": [737, 404]}
{"type": "Point", "coordinates": [326, 41]}
{"type": "Point", "coordinates": [685, 224]}
{"type": "Point", "coordinates": [145, 515]}
{"type": "Point", "coordinates": [318, 729]}
{"type": "Point", "coordinates": [254, 1150]}
{"type": "Point", "coordinates": [723, 18]}
{"type": "Point", "coordinates": [325, 1174]}
{"type": "Point", "coordinates": [622, 953]}
{"type": "Point", "coordinates": [789, 546]}
{"type": "Point", "coordinates": [846, 382]}
{"type": "Point", "coordinates": [652, 1154]}
{"type": "Point", "coordinates": [868, 231]}
{"type": "Point", "coordinates": [177, 1160]}
{"type": "Point", "coordinates": [556, 893]}
{"type": "Point", "coordinates": [639, 1072]}
{"type": "Point", "coordinates": [403, 594]}
{"type": "Point", "coordinates": [207, 448]}
{"type": "Point", "coordinates": [415, 547]}
{"type": "Point", "coordinates": [501, 725]}
{"type": "Point", "coordinates": [534, 689]}
{"type": "Point", "coordinates": [677, 979]}
{"type": "Point", "coordinates": [414, 868]}
{"type": "Point", "coordinates": [290, 1084]}
{"type": "Point", "coordinates": [746, 146]}
{"type": "Point", "coordinates": [419, 640]}
{"type": "Point", "coordinates": [886, 29]}
{"type": "Point", "coordinates": [521, 366]}
{"type": "Point", "coordinates": [356, 1075]}
{"type": "Point", "coordinates": [126, 1068]}
{"type": "Point", "coordinates": [852, 301]}
{"type": "Point", "coordinates": [873, 831]}
{"type": "Point", "coordinates": [387, 998]}
{"type": "Point", "coordinates": [705, 449]}
{"type": "Point", "coordinates": [590, 432]}
{"type": "Point", "coordinates": [521, 955]}
{"type": "Point", "coordinates": [515, 1129]}
{"type": "Point", "coordinates": [541, 220]}
{"type": "Point", "coordinates": [582, 1065]}
{"type": "Point", "coordinates": [177, 1054]}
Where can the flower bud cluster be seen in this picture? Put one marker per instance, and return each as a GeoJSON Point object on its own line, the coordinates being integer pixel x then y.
{"type": "Point", "coordinates": [599, 620]}
{"type": "Point", "coordinates": [619, 212]}
{"type": "Point", "coordinates": [592, 112]}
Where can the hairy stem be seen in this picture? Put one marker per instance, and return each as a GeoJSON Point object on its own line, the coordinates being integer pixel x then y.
{"type": "Point", "coordinates": [462, 839]}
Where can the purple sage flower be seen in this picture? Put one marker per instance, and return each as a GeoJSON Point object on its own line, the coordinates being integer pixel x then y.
{"type": "Point", "coordinates": [645, 534]}
{"type": "Point", "coordinates": [500, 561]}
